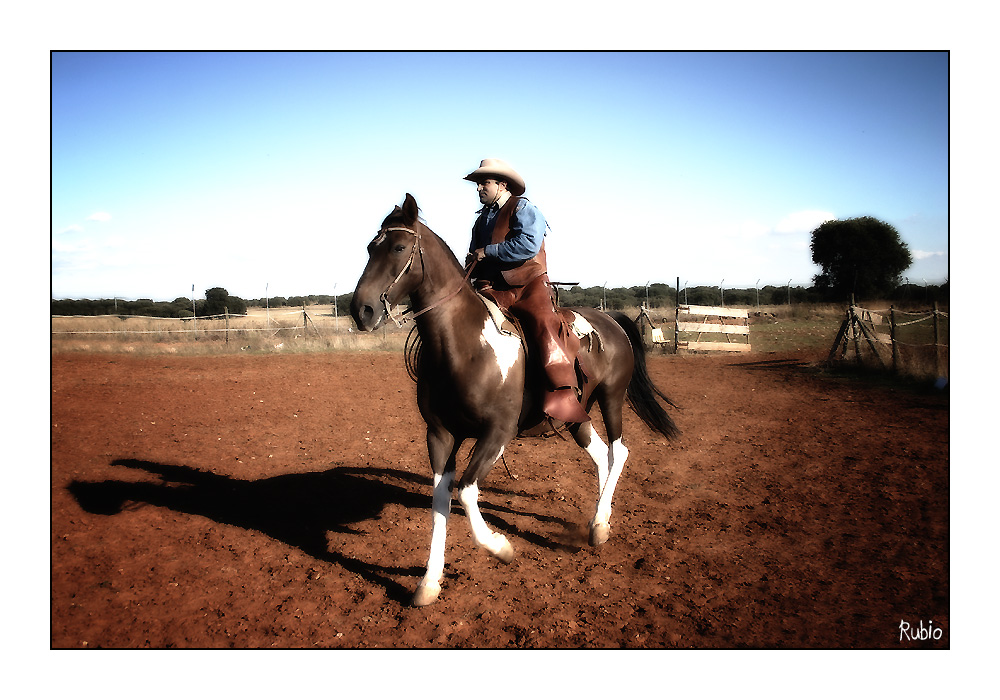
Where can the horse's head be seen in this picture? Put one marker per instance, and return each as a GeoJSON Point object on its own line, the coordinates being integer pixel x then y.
{"type": "Point", "coordinates": [394, 269]}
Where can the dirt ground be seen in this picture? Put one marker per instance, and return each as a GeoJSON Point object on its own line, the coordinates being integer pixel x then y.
{"type": "Point", "coordinates": [283, 501]}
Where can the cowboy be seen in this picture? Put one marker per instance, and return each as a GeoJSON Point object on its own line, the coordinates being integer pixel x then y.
{"type": "Point", "coordinates": [508, 251]}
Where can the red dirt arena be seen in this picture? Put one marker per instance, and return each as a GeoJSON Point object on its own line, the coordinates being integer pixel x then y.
{"type": "Point", "coordinates": [284, 501]}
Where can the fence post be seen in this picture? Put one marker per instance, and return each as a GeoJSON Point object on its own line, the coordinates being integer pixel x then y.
{"type": "Point", "coordinates": [937, 342]}
{"type": "Point", "coordinates": [677, 311]}
{"type": "Point", "coordinates": [226, 309]}
{"type": "Point", "coordinates": [892, 339]}
{"type": "Point", "coordinates": [855, 331]}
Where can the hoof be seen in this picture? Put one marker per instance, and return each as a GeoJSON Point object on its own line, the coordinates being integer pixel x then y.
{"type": "Point", "coordinates": [425, 595]}
{"type": "Point", "coordinates": [506, 553]}
{"type": "Point", "coordinates": [599, 534]}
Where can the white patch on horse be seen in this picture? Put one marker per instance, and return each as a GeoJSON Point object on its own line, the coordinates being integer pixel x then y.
{"type": "Point", "coordinates": [598, 450]}
{"type": "Point", "coordinates": [506, 348]}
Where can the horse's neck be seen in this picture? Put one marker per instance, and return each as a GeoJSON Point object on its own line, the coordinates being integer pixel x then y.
{"type": "Point", "coordinates": [456, 311]}
{"type": "Point", "coordinates": [441, 272]}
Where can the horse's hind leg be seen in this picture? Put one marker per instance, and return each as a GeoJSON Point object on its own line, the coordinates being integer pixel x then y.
{"type": "Point", "coordinates": [442, 449]}
{"type": "Point", "coordinates": [610, 461]}
{"type": "Point", "coordinates": [485, 455]}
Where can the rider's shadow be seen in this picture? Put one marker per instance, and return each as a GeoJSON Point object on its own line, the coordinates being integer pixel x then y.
{"type": "Point", "coordinates": [298, 509]}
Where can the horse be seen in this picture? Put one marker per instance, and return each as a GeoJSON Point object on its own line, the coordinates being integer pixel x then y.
{"type": "Point", "coordinates": [475, 382]}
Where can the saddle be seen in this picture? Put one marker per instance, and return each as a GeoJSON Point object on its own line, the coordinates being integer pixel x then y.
{"type": "Point", "coordinates": [508, 324]}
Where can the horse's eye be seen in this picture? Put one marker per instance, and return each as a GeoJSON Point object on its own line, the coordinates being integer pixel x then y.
{"type": "Point", "coordinates": [400, 248]}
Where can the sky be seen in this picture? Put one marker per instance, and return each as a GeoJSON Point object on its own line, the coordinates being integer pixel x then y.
{"type": "Point", "coordinates": [268, 173]}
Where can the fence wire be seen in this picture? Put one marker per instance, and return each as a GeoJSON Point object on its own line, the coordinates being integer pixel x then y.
{"type": "Point", "coordinates": [218, 318]}
{"type": "Point", "coordinates": [923, 355]}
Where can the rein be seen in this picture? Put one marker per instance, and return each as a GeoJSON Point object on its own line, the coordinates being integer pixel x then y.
{"type": "Point", "coordinates": [417, 247]}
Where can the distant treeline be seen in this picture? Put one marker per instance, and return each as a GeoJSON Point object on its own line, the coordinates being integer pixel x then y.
{"type": "Point", "coordinates": [217, 300]}
{"type": "Point", "coordinates": [310, 300]}
{"type": "Point", "coordinates": [665, 296]}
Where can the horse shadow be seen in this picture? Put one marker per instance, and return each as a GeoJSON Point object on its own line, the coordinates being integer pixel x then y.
{"type": "Point", "coordinates": [297, 509]}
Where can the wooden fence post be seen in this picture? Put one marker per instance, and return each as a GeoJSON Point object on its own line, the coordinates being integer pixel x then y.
{"type": "Point", "coordinates": [855, 332]}
{"type": "Point", "coordinates": [226, 309]}
{"type": "Point", "coordinates": [677, 313]}
{"type": "Point", "coordinates": [937, 342]}
{"type": "Point", "coordinates": [892, 339]}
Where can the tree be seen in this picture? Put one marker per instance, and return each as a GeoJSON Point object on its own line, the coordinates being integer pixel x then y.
{"type": "Point", "coordinates": [863, 257]}
{"type": "Point", "coordinates": [217, 301]}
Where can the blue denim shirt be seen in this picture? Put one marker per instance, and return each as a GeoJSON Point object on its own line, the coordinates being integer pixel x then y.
{"type": "Point", "coordinates": [527, 226]}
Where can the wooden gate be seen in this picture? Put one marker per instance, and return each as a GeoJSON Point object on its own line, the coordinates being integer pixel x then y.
{"type": "Point", "coordinates": [711, 328]}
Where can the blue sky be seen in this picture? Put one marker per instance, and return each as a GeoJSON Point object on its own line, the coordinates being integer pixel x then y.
{"type": "Point", "coordinates": [270, 172]}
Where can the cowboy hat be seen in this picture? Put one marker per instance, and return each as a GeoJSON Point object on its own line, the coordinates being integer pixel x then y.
{"type": "Point", "coordinates": [496, 168]}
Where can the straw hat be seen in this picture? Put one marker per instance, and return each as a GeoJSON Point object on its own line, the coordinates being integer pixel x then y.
{"type": "Point", "coordinates": [500, 170]}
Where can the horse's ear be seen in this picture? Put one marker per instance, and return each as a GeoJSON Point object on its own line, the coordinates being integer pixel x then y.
{"type": "Point", "coordinates": [410, 209]}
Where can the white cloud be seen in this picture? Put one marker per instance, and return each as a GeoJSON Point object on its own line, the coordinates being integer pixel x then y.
{"type": "Point", "coordinates": [72, 228]}
{"type": "Point", "coordinates": [921, 254]}
{"type": "Point", "coordinates": [80, 246]}
{"type": "Point", "coordinates": [99, 216]}
{"type": "Point", "coordinates": [802, 221]}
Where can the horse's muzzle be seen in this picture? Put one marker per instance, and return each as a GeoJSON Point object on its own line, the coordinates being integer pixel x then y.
{"type": "Point", "coordinates": [367, 317]}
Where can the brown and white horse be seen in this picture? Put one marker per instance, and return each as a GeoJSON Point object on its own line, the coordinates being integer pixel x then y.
{"type": "Point", "coordinates": [473, 381]}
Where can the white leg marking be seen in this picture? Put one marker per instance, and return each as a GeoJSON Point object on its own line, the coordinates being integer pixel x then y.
{"type": "Point", "coordinates": [494, 542]}
{"type": "Point", "coordinates": [618, 453]}
{"type": "Point", "coordinates": [440, 511]}
{"type": "Point", "coordinates": [594, 446]}
{"type": "Point", "coordinates": [505, 348]}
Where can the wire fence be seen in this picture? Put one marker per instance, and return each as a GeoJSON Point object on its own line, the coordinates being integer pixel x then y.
{"type": "Point", "coordinates": [258, 330]}
{"type": "Point", "coordinates": [907, 342]}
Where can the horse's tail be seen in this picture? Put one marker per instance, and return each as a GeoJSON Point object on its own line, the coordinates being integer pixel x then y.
{"type": "Point", "coordinates": [641, 391]}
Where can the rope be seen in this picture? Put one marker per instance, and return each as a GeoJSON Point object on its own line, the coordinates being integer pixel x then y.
{"type": "Point", "coordinates": [411, 353]}
{"type": "Point", "coordinates": [929, 312]}
{"type": "Point", "coordinates": [910, 323]}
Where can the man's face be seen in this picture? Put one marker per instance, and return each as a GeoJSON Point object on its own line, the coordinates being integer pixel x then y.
{"type": "Point", "coordinates": [489, 190]}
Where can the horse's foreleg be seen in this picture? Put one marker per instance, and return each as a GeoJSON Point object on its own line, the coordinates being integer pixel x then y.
{"type": "Point", "coordinates": [600, 529]}
{"type": "Point", "coordinates": [468, 495]}
{"type": "Point", "coordinates": [493, 542]}
{"type": "Point", "coordinates": [442, 452]}
{"type": "Point", "coordinates": [610, 461]}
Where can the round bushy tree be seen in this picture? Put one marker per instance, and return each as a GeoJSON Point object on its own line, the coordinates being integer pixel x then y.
{"type": "Point", "coordinates": [863, 257]}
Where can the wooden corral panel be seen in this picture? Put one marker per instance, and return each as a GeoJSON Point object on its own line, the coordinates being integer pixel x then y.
{"type": "Point", "coordinates": [725, 347]}
{"type": "Point", "coordinates": [713, 311]}
{"type": "Point", "coordinates": [695, 327]}
{"type": "Point", "coordinates": [717, 321]}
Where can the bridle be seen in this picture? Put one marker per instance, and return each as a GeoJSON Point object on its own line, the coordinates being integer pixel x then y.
{"type": "Point", "coordinates": [418, 248]}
